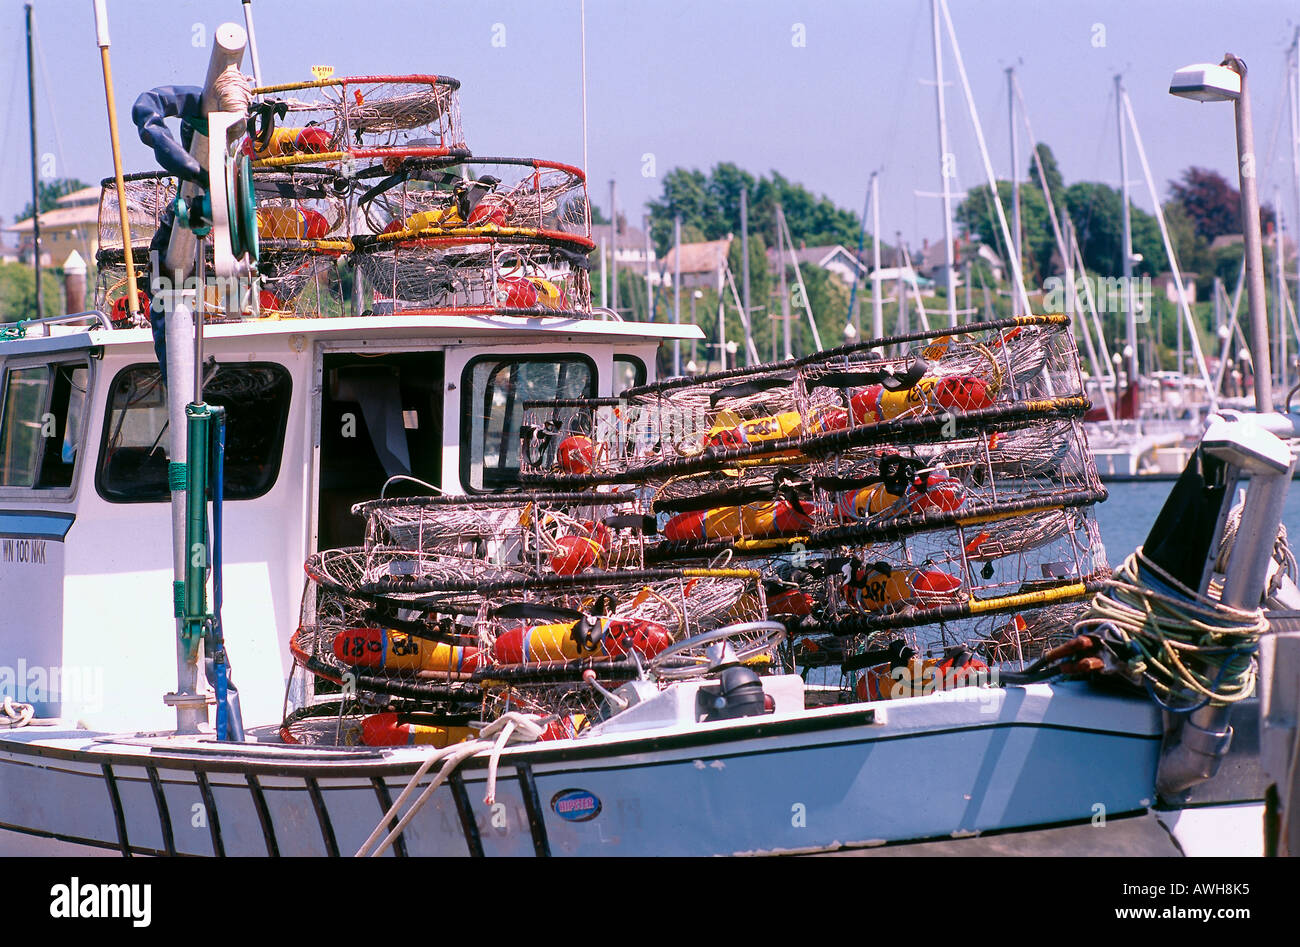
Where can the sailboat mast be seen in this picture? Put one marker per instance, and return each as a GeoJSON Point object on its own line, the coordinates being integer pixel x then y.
{"type": "Point", "coordinates": [613, 246]}
{"type": "Point", "coordinates": [1126, 247]}
{"type": "Point", "coordinates": [744, 274]}
{"type": "Point", "coordinates": [1293, 95]}
{"type": "Point", "coordinates": [36, 187]}
{"type": "Point", "coordinates": [945, 167]}
{"type": "Point", "coordinates": [877, 304]}
{"type": "Point", "coordinates": [1017, 231]}
{"type": "Point", "coordinates": [785, 294]}
{"type": "Point", "coordinates": [677, 291]}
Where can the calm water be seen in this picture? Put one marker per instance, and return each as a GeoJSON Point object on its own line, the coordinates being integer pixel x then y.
{"type": "Point", "coordinates": [1126, 517]}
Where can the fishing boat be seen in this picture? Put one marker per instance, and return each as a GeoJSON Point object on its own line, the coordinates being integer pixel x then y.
{"type": "Point", "coordinates": [367, 483]}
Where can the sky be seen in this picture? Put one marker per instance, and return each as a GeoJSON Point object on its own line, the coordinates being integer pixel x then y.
{"type": "Point", "coordinates": [824, 91]}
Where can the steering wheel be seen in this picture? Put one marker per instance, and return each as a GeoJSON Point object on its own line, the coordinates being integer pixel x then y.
{"type": "Point", "coordinates": [771, 632]}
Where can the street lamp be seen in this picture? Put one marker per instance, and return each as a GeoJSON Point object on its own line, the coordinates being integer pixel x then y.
{"type": "Point", "coordinates": [1226, 82]}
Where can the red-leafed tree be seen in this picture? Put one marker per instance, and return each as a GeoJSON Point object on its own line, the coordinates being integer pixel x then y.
{"type": "Point", "coordinates": [1212, 204]}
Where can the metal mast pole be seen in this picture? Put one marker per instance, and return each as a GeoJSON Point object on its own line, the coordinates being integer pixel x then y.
{"type": "Point", "coordinates": [36, 187]}
{"type": "Point", "coordinates": [1293, 89]}
{"type": "Point", "coordinates": [649, 271]}
{"type": "Point", "coordinates": [785, 295]}
{"type": "Point", "coordinates": [1017, 231]}
{"type": "Point", "coordinates": [613, 248]}
{"type": "Point", "coordinates": [944, 166]}
{"type": "Point", "coordinates": [877, 304]}
{"type": "Point", "coordinates": [744, 271]}
{"type": "Point", "coordinates": [677, 292]}
{"type": "Point", "coordinates": [1279, 292]}
{"type": "Point", "coordinates": [1126, 247]}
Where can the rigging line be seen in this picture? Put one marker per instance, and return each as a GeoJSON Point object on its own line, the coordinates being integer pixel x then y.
{"type": "Point", "coordinates": [16, 59]}
{"type": "Point", "coordinates": [1271, 153]}
{"type": "Point", "coordinates": [901, 88]}
{"type": "Point", "coordinates": [49, 88]}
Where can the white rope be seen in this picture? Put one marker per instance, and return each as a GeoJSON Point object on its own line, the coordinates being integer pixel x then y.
{"type": "Point", "coordinates": [18, 714]}
{"type": "Point", "coordinates": [519, 727]}
{"type": "Point", "coordinates": [234, 91]}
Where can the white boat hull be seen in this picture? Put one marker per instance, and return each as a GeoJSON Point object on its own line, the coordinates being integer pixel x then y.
{"type": "Point", "coordinates": [929, 767]}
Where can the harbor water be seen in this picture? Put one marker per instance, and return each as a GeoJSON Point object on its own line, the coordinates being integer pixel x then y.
{"type": "Point", "coordinates": [1126, 517]}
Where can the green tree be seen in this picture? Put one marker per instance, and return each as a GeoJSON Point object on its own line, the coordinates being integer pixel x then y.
{"type": "Point", "coordinates": [18, 292]}
{"type": "Point", "coordinates": [49, 194]}
{"type": "Point", "coordinates": [710, 203]}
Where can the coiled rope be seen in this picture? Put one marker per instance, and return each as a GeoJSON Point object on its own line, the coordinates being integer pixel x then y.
{"type": "Point", "coordinates": [1188, 650]}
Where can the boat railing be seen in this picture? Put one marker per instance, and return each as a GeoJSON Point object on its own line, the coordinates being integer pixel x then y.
{"type": "Point", "coordinates": [19, 329]}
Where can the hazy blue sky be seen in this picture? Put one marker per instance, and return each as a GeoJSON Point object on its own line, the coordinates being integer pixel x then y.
{"type": "Point", "coordinates": [694, 83]}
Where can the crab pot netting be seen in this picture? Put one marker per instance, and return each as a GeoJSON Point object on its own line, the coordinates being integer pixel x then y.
{"type": "Point", "coordinates": [1011, 469]}
{"type": "Point", "coordinates": [781, 414]}
{"type": "Point", "coordinates": [607, 616]}
{"type": "Point", "coordinates": [482, 195]}
{"type": "Point", "coordinates": [927, 578]}
{"type": "Point", "coordinates": [364, 112]}
{"type": "Point", "coordinates": [300, 203]}
{"type": "Point", "coordinates": [298, 279]}
{"type": "Point", "coordinates": [1004, 640]}
{"type": "Point", "coordinates": [476, 273]}
{"type": "Point", "coordinates": [970, 370]}
{"type": "Point", "coordinates": [148, 195]}
{"type": "Point", "coordinates": [535, 534]}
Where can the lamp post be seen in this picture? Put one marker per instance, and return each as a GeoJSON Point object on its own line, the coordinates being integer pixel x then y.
{"type": "Point", "coordinates": [1226, 82]}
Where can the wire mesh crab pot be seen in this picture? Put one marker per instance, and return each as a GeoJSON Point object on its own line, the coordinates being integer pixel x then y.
{"type": "Point", "coordinates": [565, 623]}
{"type": "Point", "coordinates": [912, 662]}
{"type": "Point", "coordinates": [934, 578]}
{"type": "Point", "coordinates": [301, 203]}
{"type": "Point", "coordinates": [481, 273]}
{"type": "Point", "coordinates": [1039, 464]}
{"type": "Point", "coordinates": [533, 533]}
{"type": "Point", "coordinates": [356, 117]}
{"type": "Point", "coordinates": [528, 197]}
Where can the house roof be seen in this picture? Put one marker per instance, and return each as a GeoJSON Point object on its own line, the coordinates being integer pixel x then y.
{"type": "Point", "coordinates": [84, 196]}
{"type": "Point", "coordinates": [820, 256]}
{"type": "Point", "coordinates": [81, 215]}
{"type": "Point", "coordinates": [703, 257]}
{"type": "Point", "coordinates": [629, 238]}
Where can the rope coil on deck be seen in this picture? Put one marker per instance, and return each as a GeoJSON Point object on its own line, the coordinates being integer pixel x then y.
{"type": "Point", "coordinates": [1184, 647]}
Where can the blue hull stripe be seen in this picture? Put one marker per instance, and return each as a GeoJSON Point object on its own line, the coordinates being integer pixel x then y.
{"type": "Point", "coordinates": [34, 523]}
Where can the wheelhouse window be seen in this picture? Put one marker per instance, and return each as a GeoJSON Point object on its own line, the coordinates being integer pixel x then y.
{"type": "Point", "coordinates": [40, 424]}
{"type": "Point", "coordinates": [629, 372]}
{"type": "Point", "coordinates": [133, 459]}
{"type": "Point", "coordinates": [493, 391]}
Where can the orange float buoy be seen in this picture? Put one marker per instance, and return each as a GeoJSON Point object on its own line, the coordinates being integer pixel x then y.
{"type": "Point", "coordinates": [751, 521]}
{"type": "Point", "coordinates": [934, 490]}
{"type": "Point", "coordinates": [563, 641]}
{"type": "Point", "coordinates": [390, 730]}
{"type": "Point", "coordinates": [575, 554]}
{"type": "Point", "coordinates": [577, 454]}
{"type": "Point", "coordinates": [395, 650]}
